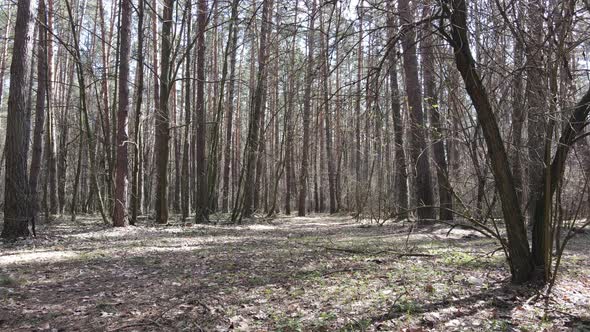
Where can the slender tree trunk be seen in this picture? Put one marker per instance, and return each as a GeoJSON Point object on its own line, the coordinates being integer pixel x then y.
{"type": "Point", "coordinates": [303, 179]}
{"type": "Point", "coordinates": [39, 106]}
{"type": "Point", "coordinates": [401, 174]}
{"type": "Point", "coordinates": [62, 166]}
{"type": "Point", "coordinates": [162, 144]}
{"type": "Point", "coordinates": [89, 135]}
{"type": "Point", "coordinates": [122, 168]}
{"type": "Point", "coordinates": [137, 147]}
{"type": "Point", "coordinates": [327, 118]}
{"type": "Point", "coordinates": [185, 204]}
{"type": "Point", "coordinates": [5, 50]}
{"type": "Point", "coordinates": [357, 114]}
{"type": "Point", "coordinates": [202, 206]}
{"type": "Point", "coordinates": [252, 143]}
{"type": "Point", "coordinates": [233, 36]}
{"type": "Point", "coordinates": [288, 120]}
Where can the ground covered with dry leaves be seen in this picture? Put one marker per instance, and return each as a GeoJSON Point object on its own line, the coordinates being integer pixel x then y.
{"type": "Point", "coordinates": [319, 273]}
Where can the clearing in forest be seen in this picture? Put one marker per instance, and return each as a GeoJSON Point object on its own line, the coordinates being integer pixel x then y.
{"type": "Point", "coordinates": [320, 273]}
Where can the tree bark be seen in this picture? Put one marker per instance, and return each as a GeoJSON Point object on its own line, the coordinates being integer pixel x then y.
{"type": "Point", "coordinates": [137, 147]}
{"type": "Point", "coordinates": [202, 206]}
{"type": "Point", "coordinates": [17, 207]}
{"type": "Point", "coordinates": [418, 148]}
{"type": "Point", "coordinates": [122, 169]}
{"type": "Point", "coordinates": [233, 36]}
{"type": "Point", "coordinates": [309, 75]}
{"type": "Point", "coordinates": [39, 106]}
{"type": "Point", "coordinates": [433, 108]}
{"type": "Point", "coordinates": [252, 143]}
{"type": "Point", "coordinates": [162, 144]}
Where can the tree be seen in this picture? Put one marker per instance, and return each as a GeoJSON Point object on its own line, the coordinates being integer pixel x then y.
{"type": "Point", "coordinates": [400, 172]}
{"type": "Point", "coordinates": [252, 140]}
{"type": "Point", "coordinates": [309, 77]}
{"type": "Point", "coordinates": [39, 106]}
{"type": "Point", "coordinates": [227, 156]}
{"type": "Point", "coordinates": [202, 207]}
{"type": "Point", "coordinates": [122, 168]}
{"type": "Point", "coordinates": [418, 148]}
{"type": "Point", "coordinates": [518, 249]}
{"type": "Point", "coordinates": [434, 109]}
{"type": "Point", "coordinates": [135, 186]}
{"type": "Point", "coordinates": [17, 207]}
{"type": "Point", "coordinates": [162, 121]}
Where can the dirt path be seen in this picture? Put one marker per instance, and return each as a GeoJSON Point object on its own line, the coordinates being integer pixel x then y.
{"type": "Point", "coordinates": [292, 274]}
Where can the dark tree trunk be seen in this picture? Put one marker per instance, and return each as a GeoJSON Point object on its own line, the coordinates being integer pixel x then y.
{"type": "Point", "coordinates": [137, 147]}
{"type": "Point", "coordinates": [327, 120]}
{"type": "Point", "coordinates": [122, 168]}
{"type": "Point", "coordinates": [39, 106]}
{"type": "Point", "coordinates": [162, 144]}
{"type": "Point", "coordinates": [518, 248]}
{"type": "Point", "coordinates": [17, 207]}
{"type": "Point", "coordinates": [418, 148]}
{"type": "Point", "coordinates": [185, 196]}
{"type": "Point", "coordinates": [233, 36]}
{"type": "Point", "coordinates": [252, 143]}
{"type": "Point", "coordinates": [202, 206]}
{"type": "Point", "coordinates": [400, 176]}
{"type": "Point", "coordinates": [433, 108]}
{"type": "Point", "coordinates": [303, 177]}
{"type": "Point", "coordinates": [84, 114]}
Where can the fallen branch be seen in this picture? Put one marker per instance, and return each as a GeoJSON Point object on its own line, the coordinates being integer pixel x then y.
{"type": "Point", "coordinates": [365, 252]}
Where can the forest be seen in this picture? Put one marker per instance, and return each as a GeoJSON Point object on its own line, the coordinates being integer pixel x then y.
{"type": "Point", "coordinates": [295, 165]}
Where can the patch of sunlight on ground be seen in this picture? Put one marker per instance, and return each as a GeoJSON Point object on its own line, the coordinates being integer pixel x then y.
{"type": "Point", "coordinates": [37, 257]}
{"type": "Point", "coordinates": [261, 227]}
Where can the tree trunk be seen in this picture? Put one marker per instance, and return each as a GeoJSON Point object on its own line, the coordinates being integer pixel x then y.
{"type": "Point", "coordinates": [17, 207]}
{"type": "Point", "coordinates": [418, 148]}
{"type": "Point", "coordinates": [518, 249]}
{"type": "Point", "coordinates": [202, 206]}
{"type": "Point", "coordinates": [39, 106]}
{"type": "Point", "coordinates": [122, 168]}
{"type": "Point", "coordinates": [433, 108]}
{"type": "Point", "coordinates": [303, 178]}
{"type": "Point", "coordinates": [83, 103]}
{"type": "Point", "coordinates": [400, 176]}
{"type": "Point", "coordinates": [162, 124]}
{"type": "Point", "coordinates": [252, 143]}
{"type": "Point", "coordinates": [135, 187]}
{"type": "Point", "coordinates": [327, 119]}
{"type": "Point", "coordinates": [233, 36]}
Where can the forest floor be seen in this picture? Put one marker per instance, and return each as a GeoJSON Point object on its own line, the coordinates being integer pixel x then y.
{"type": "Point", "coordinates": [320, 273]}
